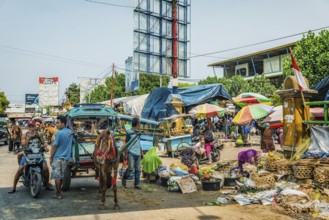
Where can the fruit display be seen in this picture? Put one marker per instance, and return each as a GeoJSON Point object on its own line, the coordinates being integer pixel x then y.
{"type": "Point", "coordinates": [206, 173]}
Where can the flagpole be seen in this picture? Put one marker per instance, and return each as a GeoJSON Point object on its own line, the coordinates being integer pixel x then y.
{"type": "Point", "coordinates": [306, 116]}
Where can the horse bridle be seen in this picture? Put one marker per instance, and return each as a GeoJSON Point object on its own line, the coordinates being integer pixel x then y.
{"type": "Point", "coordinates": [103, 154]}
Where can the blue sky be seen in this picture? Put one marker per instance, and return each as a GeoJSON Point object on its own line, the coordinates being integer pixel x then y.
{"type": "Point", "coordinates": [94, 36]}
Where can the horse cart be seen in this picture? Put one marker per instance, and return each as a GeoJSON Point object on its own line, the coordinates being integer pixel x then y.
{"type": "Point", "coordinates": [87, 121]}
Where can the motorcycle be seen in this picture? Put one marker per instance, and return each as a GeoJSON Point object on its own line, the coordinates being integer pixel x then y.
{"type": "Point", "coordinates": [33, 170]}
{"type": "Point", "coordinates": [214, 153]}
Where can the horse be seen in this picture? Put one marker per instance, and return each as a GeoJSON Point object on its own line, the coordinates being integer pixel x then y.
{"type": "Point", "coordinates": [106, 159]}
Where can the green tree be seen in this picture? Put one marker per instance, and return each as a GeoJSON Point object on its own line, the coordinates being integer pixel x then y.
{"type": "Point", "coordinates": [147, 82]}
{"type": "Point", "coordinates": [4, 103]}
{"type": "Point", "coordinates": [262, 85]}
{"type": "Point", "coordinates": [312, 56]}
{"type": "Point", "coordinates": [73, 93]}
{"type": "Point", "coordinates": [234, 86]}
{"type": "Point", "coordinates": [182, 85]}
{"type": "Point", "coordinates": [276, 99]}
{"type": "Point", "coordinates": [209, 80]}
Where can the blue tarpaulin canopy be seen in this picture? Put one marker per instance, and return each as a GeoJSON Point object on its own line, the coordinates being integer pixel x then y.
{"type": "Point", "coordinates": [157, 104]}
{"type": "Point", "coordinates": [323, 88]}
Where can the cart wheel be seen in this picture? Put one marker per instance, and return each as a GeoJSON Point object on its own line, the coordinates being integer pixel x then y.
{"type": "Point", "coordinates": [181, 147]}
{"type": "Point", "coordinates": [67, 179]}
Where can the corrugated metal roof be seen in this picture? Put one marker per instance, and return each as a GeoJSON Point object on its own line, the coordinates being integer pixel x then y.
{"type": "Point", "coordinates": [259, 53]}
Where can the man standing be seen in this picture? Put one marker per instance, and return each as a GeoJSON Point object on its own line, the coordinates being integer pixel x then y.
{"type": "Point", "coordinates": [60, 153]}
{"type": "Point", "coordinates": [15, 134]}
{"type": "Point", "coordinates": [134, 156]}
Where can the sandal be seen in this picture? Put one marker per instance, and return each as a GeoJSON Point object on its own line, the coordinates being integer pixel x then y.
{"type": "Point", "coordinates": [12, 191]}
{"type": "Point", "coordinates": [57, 197]}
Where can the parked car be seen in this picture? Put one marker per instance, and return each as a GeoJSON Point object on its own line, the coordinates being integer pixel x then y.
{"type": "Point", "coordinates": [3, 131]}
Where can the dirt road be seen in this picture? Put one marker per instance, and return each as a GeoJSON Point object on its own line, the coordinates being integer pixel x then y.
{"type": "Point", "coordinates": [153, 202]}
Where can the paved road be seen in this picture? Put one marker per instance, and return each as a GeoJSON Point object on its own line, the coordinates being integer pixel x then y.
{"type": "Point", "coordinates": [81, 202]}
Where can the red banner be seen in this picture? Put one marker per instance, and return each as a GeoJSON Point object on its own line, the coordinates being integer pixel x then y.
{"type": "Point", "coordinates": [48, 80]}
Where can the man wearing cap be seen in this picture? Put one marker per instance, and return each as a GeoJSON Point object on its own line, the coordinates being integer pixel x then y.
{"type": "Point", "coordinates": [31, 137]}
{"type": "Point", "coordinates": [266, 142]}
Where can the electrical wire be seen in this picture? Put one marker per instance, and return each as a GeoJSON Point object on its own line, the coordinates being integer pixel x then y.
{"type": "Point", "coordinates": [109, 4]}
{"type": "Point", "coordinates": [45, 55]}
{"type": "Point", "coordinates": [254, 44]}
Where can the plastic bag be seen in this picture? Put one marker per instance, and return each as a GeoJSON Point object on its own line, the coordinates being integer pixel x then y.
{"type": "Point", "coordinates": [164, 174]}
{"type": "Point", "coordinates": [173, 185]}
{"type": "Point", "coordinates": [180, 172]}
{"type": "Point", "coordinates": [223, 200]}
{"type": "Point", "coordinates": [293, 192]}
{"type": "Point", "coordinates": [266, 197]}
{"type": "Point", "coordinates": [243, 199]}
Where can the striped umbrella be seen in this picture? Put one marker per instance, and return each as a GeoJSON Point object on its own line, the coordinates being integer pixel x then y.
{"type": "Point", "coordinates": [249, 98]}
{"type": "Point", "coordinates": [275, 119]}
{"type": "Point", "coordinates": [207, 111]}
{"type": "Point", "coordinates": [251, 112]}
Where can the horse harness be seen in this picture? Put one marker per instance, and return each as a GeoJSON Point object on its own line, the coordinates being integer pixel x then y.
{"type": "Point", "coordinates": [110, 155]}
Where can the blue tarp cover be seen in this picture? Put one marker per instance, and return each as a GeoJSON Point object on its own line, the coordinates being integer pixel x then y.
{"type": "Point", "coordinates": [157, 104]}
{"type": "Point", "coordinates": [323, 88]}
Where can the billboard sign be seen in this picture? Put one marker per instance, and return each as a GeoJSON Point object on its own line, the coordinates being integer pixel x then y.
{"type": "Point", "coordinates": [31, 99]}
{"type": "Point", "coordinates": [153, 36]}
{"type": "Point", "coordinates": [48, 91]}
{"type": "Point", "coordinates": [131, 77]}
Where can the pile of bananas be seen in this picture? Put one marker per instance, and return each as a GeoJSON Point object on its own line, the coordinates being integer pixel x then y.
{"type": "Point", "coordinates": [206, 173]}
{"type": "Point", "coordinates": [273, 157]}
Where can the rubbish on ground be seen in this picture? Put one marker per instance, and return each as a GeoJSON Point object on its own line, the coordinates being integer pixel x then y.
{"type": "Point", "coordinates": [223, 200]}
{"type": "Point", "coordinates": [186, 184]}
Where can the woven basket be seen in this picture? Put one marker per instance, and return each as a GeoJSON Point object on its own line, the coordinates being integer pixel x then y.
{"type": "Point", "coordinates": [264, 180]}
{"type": "Point", "coordinates": [284, 167]}
{"type": "Point", "coordinates": [303, 172]}
{"type": "Point", "coordinates": [270, 166]}
{"type": "Point", "coordinates": [321, 174]}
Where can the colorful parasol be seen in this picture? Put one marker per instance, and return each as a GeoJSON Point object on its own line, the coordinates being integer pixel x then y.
{"type": "Point", "coordinates": [249, 98]}
{"type": "Point", "coordinates": [250, 112]}
{"type": "Point", "coordinates": [207, 111]}
{"type": "Point", "coordinates": [275, 119]}
{"type": "Point", "coordinates": [317, 113]}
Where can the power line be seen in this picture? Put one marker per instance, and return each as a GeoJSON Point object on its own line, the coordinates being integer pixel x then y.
{"type": "Point", "coordinates": [45, 55]}
{"type": "Point", "coordinates": [254, 44]}
{"type": "Point", "coordinates": [109, 4]}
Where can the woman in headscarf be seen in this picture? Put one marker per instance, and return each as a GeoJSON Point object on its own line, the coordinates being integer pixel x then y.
{"type": "Point", "coordinates": [250, 156]}
{"type": "Point", "coordinates": [190, 160]}
{"type": "Point", "coordinates": [266, 142]}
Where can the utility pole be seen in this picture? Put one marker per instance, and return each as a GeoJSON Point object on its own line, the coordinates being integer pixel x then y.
{"type": "Point", "coordinates": [112, 86]}
{"type": "Point", "coordinates": [175, 47]}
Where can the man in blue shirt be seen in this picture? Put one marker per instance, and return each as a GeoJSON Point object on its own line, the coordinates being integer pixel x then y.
{"type": "Point", "coordinates": [134, 156]}
{"type": "Point", "coordinates": [60, 153]}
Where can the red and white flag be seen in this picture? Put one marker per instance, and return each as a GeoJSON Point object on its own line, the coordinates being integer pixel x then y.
{"type": "Point", "coordinates": [299, 76]}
